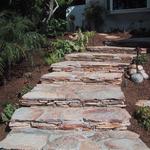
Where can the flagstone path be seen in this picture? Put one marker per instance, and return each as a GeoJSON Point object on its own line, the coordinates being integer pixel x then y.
{"type": "Point", "coordinates": [79, 106]}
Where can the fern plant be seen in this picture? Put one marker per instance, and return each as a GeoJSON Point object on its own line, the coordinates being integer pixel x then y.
{"type": "Point", "coordinates": [18, 39]}
{"type": "Point", "coordinates": [7, 113]}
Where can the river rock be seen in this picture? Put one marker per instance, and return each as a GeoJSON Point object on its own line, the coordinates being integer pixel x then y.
{"type": "Point", "coordinates": [140, 67]}
{"type": "Point", "coordinates": [132, 71]}
{"type": "Point", "coordinates": [144, 74]}
{"type": "Point", "coordinates": [137, 78]}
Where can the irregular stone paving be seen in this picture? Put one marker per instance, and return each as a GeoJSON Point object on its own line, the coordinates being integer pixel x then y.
{"type": "Point", "coordinates": [71, 118]}
{"type": "Point", "coordinates": [113, 49]}
{"type": "Point", "coordinates": [35, 139]}
{"type": "Point", "coordinates": [69, 66]}
{"type": "Point", "coordinates": [86, 77]}
{"type": "Point", "coordinates": [143, 103]}
{"type": "Point", "coordinates": [74, 95]}
{"type": "Point", "coordinates": [77, 106]}
{"type": "Point", "coordinates": [100, 57]}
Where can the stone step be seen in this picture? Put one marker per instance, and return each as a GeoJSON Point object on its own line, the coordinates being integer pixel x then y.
{"type": "Point", "coordinates": [100, 57]}
{"type": "Point", "coordinates": [86, 77]}
{"type": "Point", "coordinates": [35, 139]}
{"type": "Point", "coordinates": [69, 66]}
{"type": "Point", "coordinates": [113, 49]}
{"type": "Point", "coordinates": [87, 118]}
{"type": "Point", "coordinates": [143, 103]}
{"type": "Point", "coordinates": [74, 95]}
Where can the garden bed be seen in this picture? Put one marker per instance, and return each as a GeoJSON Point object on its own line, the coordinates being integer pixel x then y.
{"type": "Point", "coordinates": [133, 92]}
{"type": "Point", "coordinates": [9, 92]}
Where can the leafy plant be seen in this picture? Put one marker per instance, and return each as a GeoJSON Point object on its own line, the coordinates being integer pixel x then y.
{"type": "Point", "coordinates": [142, 59]}
{"type": "Point", "coordinates": [143, 116]}
{"type": "Point", "coordinates": [7, 113]}
{"type": "Point", "coordinates": [27, 88]}
{"type": "Point", "coordinates": [17, 40]}
{"type": "Point", "coordinates": [62, 47]}
{"type": "Point", "coordinates": [57, 27]}
{"type": "Point", "coordinates": [83, 39]}
{"type": "Point", "coordinates": [1, 67]}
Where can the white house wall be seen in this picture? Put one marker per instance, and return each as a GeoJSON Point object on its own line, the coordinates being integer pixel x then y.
{"type": "Point", "coordinates": [123, 20]}
{"type": "Point", "coordinates": [78, 12]}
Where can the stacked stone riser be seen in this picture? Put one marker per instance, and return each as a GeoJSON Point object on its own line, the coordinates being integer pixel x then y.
{"type": "Point", "coordinates": [85, 77]}
{"type": "Point", "coordinates": [114, 50]}
{"type": "Point", "coordinates": [71, 118]}
{"type": "Point", "coordinates": [100, 57]}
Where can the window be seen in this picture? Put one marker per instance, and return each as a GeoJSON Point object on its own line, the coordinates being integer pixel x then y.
{"type": "Point", "coordinates": [128, 4]}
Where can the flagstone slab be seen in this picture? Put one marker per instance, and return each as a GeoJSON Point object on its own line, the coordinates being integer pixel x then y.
{"type": "Point", "coordinates": [34, 139]}
{"type": "Point", "coordinates": [143, 103]}
{"type": "Point", "coordinates": [86, 77]}
{"type": "Point", "coordinates": [100, 57]}
{"type": "Point", "coordinates": [72, 94]}
{"type": "Point", "coordinates": [86, 118]}
{"type": "Point", "coordinates": [69, 66]}
{"type": "Point", "coordinates": [113, 49]}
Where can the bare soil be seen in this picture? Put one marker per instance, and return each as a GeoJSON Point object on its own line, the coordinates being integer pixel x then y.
{"type": "Point", "coordinates": [9, 92]}
{"type": "Point", "coordinates": [133, 93]}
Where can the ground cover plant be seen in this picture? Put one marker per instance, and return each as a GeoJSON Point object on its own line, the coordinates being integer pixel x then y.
{"type": "Point", "coordinates": [142, 114]}
{"type": "Point", "coordinates": [7, 113]}
{"type": "Point", "coordinates": [61, 47]}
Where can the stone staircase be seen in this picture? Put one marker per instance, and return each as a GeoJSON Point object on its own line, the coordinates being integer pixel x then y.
{"type": "Point", "coordinates": [79, 106]}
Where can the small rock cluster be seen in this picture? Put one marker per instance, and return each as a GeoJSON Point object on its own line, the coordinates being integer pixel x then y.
{"type": "Point", "coordinates": [137, 73]}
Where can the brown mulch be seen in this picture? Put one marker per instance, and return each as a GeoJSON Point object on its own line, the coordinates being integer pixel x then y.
{"type": "Point", "coordinates": [133, 93]}
{"type": "Point", "coordinates": [9, 92]}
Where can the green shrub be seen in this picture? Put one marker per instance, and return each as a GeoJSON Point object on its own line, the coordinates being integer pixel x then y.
{"type": "Point", "coordinates": [7, 113]}
{"type": "Point", "coordinates": [57, 27]}
{"type": "Point", "coordinates": [143, 117]}
{"type": "Point", "coordinates": [18, 39]}
{"type": "Point", "coordinates": [1, 67]}
{"type": "Point", "coordinates": [62, 47]}
{"type": "Point", "coordinates": [142, 59]}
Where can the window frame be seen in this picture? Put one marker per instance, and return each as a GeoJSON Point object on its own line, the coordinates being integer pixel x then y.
{"type": "Point", "coordinates": [144, 9]}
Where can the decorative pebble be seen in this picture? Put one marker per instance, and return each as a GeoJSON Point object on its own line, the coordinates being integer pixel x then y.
{"type": "Point", "coordinates": [133, 66]}
{"type": "Point", "coordinates": [132, 71]}
{"type": "Point", "coordinates": [140, 67]}
{"type": "Point", "coordinates": [137, 78]}
{"type": "Point", "coordinates": [144, 74]}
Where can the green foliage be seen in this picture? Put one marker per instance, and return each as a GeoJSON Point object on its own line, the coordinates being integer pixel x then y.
{"type": "Point", "coordinates": [1, 67]}
{"type": "Point", "coordinates": [62, 47]}
{"type": "Point", "coordinates": [143, 117]}
{"type": "Point", "coordinates": [83, 39]}
{"type": "Point", "coordinates": [17, 39]}
{"type": "Point", "coordinates": [27, 88]}
{"type": "Point", "coordinates": [11, 29]}
{"type": "Point", "coordinates": [142, 59]}
{"type": "Point", "coordinates": [7, 113]}
{"type": "Point", "coordinates": [57, 27]}
{"type": "Point", "coordinates": [64, 2]}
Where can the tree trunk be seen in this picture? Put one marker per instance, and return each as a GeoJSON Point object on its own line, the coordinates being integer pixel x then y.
{"type": "Point", "coordinates": [49, 7]}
